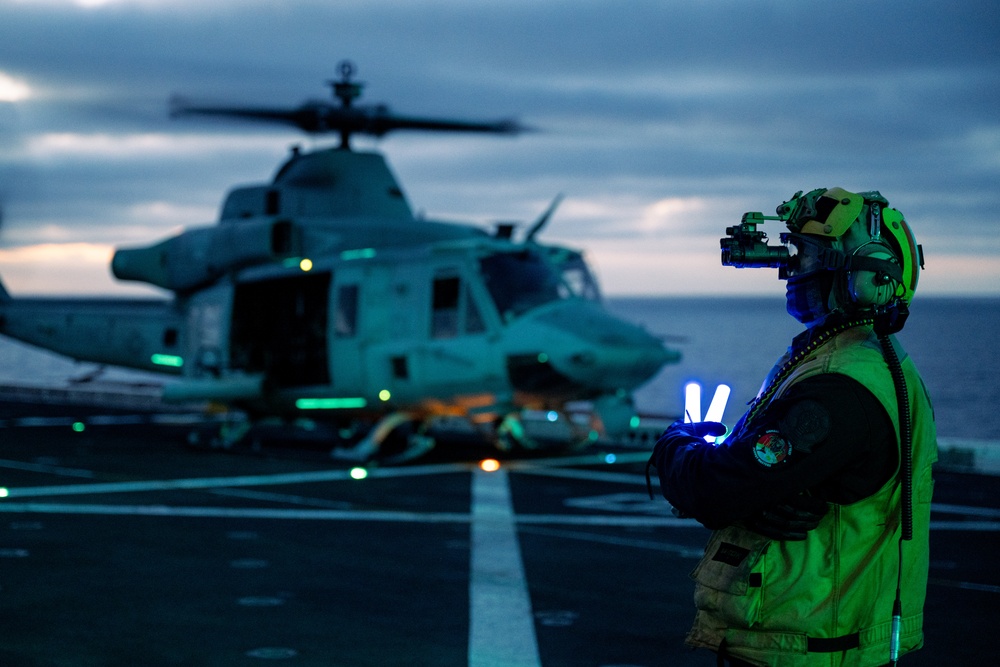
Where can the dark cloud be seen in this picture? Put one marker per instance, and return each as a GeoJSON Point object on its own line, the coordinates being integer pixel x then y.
{"type": "Point", "coordinates": [736, 102]}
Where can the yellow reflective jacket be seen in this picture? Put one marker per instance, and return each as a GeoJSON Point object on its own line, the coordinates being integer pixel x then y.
{"type": "Point", "coordinates": [827, 600]}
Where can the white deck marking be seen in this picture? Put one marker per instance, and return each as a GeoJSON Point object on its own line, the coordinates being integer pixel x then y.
{"type": "Point", "coordinates": [589, 475]}
{"type": "Point", "coordinates": [501, 625]}
{"type": "Point", "coordinates": [967, 510]}
{"type": "Point", "coordinates": [46, 468]}
{"type": "Point", "coordinates": [235, 512]}
{"type": "Point", "coordinates": [967, 585]}
{"type": "Point", "coordinates": [224, 482]}
{"type": "Point", "coordinates": [681, 550]}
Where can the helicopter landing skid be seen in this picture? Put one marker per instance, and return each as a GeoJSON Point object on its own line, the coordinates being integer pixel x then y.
{"type": "Point", "coordinates": [530, 431]}
{"type": "Point", "coordinates": [395, 430]}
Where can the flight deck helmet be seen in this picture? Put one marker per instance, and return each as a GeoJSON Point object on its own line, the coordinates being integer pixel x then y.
{"type": "Point", "coordinates": [869, 246]}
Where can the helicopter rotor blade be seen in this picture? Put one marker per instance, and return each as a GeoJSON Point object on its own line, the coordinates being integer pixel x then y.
{"type": "Point", "coordinates": [308, 117]}
{"type": "Point", "coordinates": [382, 124]}
{"type": "Point", "coordinates": [321, 118]}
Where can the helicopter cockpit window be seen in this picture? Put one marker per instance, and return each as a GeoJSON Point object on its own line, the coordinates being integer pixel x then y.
{"type": "Point", "coordinates": [454, 310]}
{"type": "Point", "coordinates": [444, 313]}
{"type": "Point", "coordinates": [578, 281]}
{"type": "Point", "coordinates": [519, 281]}
{"type": "Point", "coordinates": [346, 319]}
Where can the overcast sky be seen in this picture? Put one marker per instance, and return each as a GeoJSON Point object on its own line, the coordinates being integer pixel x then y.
{"type": "Point", "coordinates": [661, 122]}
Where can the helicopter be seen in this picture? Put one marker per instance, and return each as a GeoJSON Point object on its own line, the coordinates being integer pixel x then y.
{"type": "Point", "coordinates": [320, 296]}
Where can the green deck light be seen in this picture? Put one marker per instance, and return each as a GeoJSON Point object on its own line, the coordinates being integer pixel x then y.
{"type": "Point", "coordinates": [330, 403]}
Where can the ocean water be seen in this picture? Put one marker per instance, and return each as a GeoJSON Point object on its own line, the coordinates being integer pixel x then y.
{"type": "Point", "coordinates": [734, 341]}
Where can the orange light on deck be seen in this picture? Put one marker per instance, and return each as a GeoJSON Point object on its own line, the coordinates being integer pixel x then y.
{"type": "Point", "coordinates": [489, 465]}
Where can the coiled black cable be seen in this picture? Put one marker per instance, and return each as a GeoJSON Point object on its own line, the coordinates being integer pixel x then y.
{"type": "Point", "coordinates": [905, 434]}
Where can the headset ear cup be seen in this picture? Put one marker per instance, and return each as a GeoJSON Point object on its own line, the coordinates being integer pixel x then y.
{"type": "Point", "coordinates": [864, 290]}
{"type": "Point", "coordinates": [871, 288]}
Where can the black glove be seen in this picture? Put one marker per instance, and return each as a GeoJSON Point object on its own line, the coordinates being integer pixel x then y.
{"type": "Point", "coordinates": [686, 431]}
{"type": "Point", "coordinates": [693, 430]}
{"type": "Point", "coordinates": [790, 520]}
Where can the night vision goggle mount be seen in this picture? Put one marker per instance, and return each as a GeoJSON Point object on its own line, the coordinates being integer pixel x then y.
{"type": "Point", "coordinates": [815, 220]}
{"type": "Point", "coordinates": [746, 247]}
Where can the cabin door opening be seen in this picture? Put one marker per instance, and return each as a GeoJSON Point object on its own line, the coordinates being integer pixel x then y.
{"type": "Point", "coordinates": [279, 329]}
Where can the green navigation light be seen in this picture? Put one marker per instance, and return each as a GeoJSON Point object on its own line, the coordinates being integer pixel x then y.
{"type": "Point", "coordinates": [171, 360]}
{"type": "Point", "coordinates": [360, 253]}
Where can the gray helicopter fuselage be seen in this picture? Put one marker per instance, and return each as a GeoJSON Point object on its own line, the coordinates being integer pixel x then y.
{"type": "Point", "coordinates": [321, 293]}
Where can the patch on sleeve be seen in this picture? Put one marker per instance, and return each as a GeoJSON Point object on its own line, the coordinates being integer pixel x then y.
{"type": "Point", "coordinates": [807, 423]}
{"type": "Point", "coordinates": [771, 449]}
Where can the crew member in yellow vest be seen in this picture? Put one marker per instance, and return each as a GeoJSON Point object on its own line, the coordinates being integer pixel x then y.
{"type": "Point", "coordinates": [820, 497]}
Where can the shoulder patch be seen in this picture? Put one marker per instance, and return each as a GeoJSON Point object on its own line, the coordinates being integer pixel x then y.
{"type": "Point", "coordinates": [771, 449]}
{"type": "Point", "coordinates": [807, 423]}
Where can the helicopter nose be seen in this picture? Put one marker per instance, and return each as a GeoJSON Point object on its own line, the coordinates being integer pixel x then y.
{"type": "Point", "coordinates": [605, 353]}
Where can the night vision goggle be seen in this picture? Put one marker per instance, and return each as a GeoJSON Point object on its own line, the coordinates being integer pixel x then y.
{"type": "Point", "coordinates": [820, 213]}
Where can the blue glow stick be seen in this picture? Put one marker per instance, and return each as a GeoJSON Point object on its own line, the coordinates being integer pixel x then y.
{"type": "Point", "coordinates": [692, 402]}
{"type": "Point", "coordinates": [718, 405]}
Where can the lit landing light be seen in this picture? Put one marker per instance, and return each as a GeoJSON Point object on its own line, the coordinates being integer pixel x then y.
{"type": "Point", "coordinates": [4, 492]}
{"type": "Point", "coordinates": [306, 264]}
{"type": "Point", "coordinates": [384, 395]}
{"type": "Point", "coordinates": [489, 465]}
{"type": "Point", "coordinates": [358, 473]}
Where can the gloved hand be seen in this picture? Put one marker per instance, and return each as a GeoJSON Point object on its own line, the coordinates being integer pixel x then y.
{"type": "Point", "coordinates": [694, 430]}
{"type": "Point", "coordinates": [688, 432]}
{"type": "Point", "coordinates": [790, 520]}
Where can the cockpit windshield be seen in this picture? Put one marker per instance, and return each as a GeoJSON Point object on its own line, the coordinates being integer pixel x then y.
{"type": "Point", "coordinates": [519, 281]}
{"type": "Point", "coordinates": [577, 280]}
